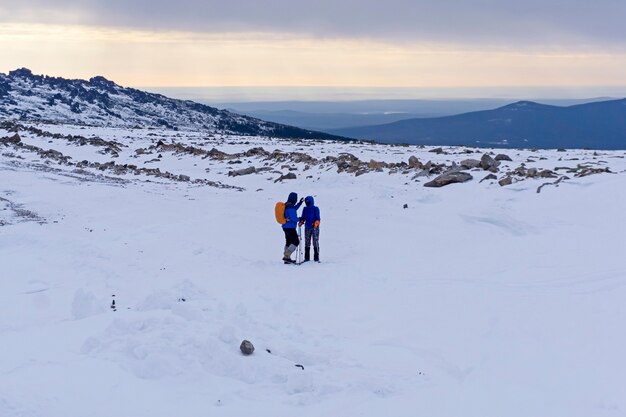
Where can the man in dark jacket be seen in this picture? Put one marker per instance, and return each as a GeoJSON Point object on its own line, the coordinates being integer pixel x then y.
{"type": "Point", "coordinates": [291, 236]}
{"type": "Point", "coordinates": [311, 220]}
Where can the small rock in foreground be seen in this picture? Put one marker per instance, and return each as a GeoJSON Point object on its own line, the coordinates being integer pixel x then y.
{"type": "Point", "coordinates": [246, 347]}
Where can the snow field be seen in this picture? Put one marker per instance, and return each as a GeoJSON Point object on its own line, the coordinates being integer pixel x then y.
{"type": "Point", "coordinates": [475, 300]}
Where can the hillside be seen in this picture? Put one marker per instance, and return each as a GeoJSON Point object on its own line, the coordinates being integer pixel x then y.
{"type": "Point", "coordinates": [598, 125]}
{"type": "Point", "coordinates": [100, 102]}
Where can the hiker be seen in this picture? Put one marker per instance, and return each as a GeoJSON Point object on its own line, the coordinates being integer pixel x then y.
{"type": "Point", "coordinates": [291, 236]}
{"type": "Point", "coordinates": [311, 220]}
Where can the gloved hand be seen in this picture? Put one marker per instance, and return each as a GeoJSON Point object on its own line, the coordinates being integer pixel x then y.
{"type": "Point", "coordinates": [301, 222]}
{"type": "Point", "coordinates": [301, 200]}
{"type": "Point", "coordinates": [316, 224]}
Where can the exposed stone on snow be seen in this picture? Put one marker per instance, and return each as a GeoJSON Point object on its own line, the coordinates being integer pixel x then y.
{"type": "Point", "coordinates": [449, 178]}
{"type": "Point", "coordinates": [532, 172]}
{"type": "Point", "coordinates": [438, 151]}
{"type": "Point", "coordinates": [506, 181]}
{"type": "Point", "coordinates": [488, 163]}
{"type": "Point", "coordinates": [502, 157]}
{"type": "Point", "coordinates": [245, 171]}
{"type": "Point", "coordinates": [414, 162]}
{"type": "Point", "coordinates": [246, 347]}
{"type": "Point", "coordinates": [11, 139]}
{"type": "Point", "coordinates": [489, 177]}
{"type": "Point", "coordinates": [470, 163]}
{"type": "Point", "coordinates": [289, 176]}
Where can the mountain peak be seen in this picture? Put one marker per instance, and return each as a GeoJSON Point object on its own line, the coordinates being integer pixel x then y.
{"type": "Point", "coordinates": [21, 72]}
{"type": "Point", "coordinates": [100, 80]}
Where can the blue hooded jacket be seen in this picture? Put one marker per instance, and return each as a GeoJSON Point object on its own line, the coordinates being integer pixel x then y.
{"type": "Point", "coordinates": [291, 211]}
{"type": "Point", "coordinates": [311, 213]}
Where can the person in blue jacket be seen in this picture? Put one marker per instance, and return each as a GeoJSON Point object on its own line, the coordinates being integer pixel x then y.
{"type": "Point", "coordinates": [291, 236]}
{"type": "Point", "coordinates": [311, 220]}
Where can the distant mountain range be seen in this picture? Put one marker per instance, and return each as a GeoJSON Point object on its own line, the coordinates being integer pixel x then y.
{"type": "Point", "coordinates": [598, 125]}
{"type": "Point", "coordinates": [100, 102]}
{"type": "Point", "coordinates": [330, 115]}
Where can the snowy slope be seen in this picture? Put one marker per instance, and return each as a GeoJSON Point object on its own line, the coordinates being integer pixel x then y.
{"type": "Point", "coordinates": [475, 300]}
{"type": "Point", "coordinates": [100, 102]}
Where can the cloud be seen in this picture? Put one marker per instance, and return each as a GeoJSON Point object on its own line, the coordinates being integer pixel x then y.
{"type": "Point", "coordinates": [569, 24]}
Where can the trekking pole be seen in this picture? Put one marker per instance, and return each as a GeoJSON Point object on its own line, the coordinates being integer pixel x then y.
{"type": "Point", "coordinates": [299, 254]}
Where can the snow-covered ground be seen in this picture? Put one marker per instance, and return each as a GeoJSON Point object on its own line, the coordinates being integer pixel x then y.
{"type": "Point", "coordinates": [475, 300]}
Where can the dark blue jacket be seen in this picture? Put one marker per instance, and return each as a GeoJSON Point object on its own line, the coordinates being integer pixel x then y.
{"type": "Point", "coordinates": [291, 211]}
{"type": "Point", "coordinates": [310, 213]}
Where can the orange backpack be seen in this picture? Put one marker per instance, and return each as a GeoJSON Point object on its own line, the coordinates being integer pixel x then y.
{"type": "Point", "coordinates": [279, 211]}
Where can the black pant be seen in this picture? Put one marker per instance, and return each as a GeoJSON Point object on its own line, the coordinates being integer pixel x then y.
{"type": "Point", "coordinates": [291, 237]}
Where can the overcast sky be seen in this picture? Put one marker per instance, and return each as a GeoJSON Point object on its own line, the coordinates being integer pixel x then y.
{"type": "Point", "coordinates": [391, 42]}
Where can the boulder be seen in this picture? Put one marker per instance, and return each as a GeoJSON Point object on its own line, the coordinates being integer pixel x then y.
{"type": "Point", "coordinates": [290, 176]}
{"type": "Point", "coordinates": [470, 163]}
{"type": "Point", "coordinates": [489, 177]}
{"type": "Point", "coordinates": [414, 162]}
{"type": "Point", "coordinates": [438, 151]}
{"type": "Point", "coordinates": [375, 164]}
{"type": "Point", "coordinates": [503, 157]}
{"type": "Point", "coordinates": [449, 178]}
{"type": "Point", "coordinates": [546, 173]}
{"type": "Point", "coordinates": [532, 172]}
{"type": "Point", "coordinates": [489, 164]}
{"type": "Point", "coordinates": [505, 181]}
{"type": "Point", "coordinates": [245, 171]}
{"type": "Point", "coordinates": [246, 347]}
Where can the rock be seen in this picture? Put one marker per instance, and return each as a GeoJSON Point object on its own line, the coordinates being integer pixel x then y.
{"type": "Point", "coordinates": [470, 163]}
{"type": "Point", "coordinates": [449, 178]}
{"type": "Point", "coordinates": [438, 151]}
{"type": "Point", "coordinates": [546, 173]}
{"type": "Point", "coordinates": [505, 181]}
{"type": "Point", "coordinates": [256, 152]}
{"type": "Point", "coordinates": [414, 162]}
{"type": "Point", "coordinates": [489, 177]}
{"type": "Point", "coordinates": [532, 172]}
{"type": "Point", "coordinates": [503, 157]}
{"type": "Point", "coordinates": [246, 347]}
{"type": "Point", "coordinates": [184, 178]}
{"type": "Point", "coordinates": [244, 171]}
{"type": "Point", "coordinates": [289, 176]}
{"type": "Point", "coordinates": [406, 206]}
{"type": "Point", "coordinates": [375, 164]}
{"type": "Point", "coordinates": [489, 164]}
{"type": "Point", "coordinates": [15, 139]}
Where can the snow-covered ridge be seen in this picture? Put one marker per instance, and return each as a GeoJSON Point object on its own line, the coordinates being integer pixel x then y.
{"type": "Point", "coordinates": [100, 102]}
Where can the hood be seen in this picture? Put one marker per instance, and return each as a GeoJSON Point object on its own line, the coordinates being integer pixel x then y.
{"type": "Point", "coordinates": [309, 201]}
{"type": "Point", "coordinates": [293, 198]}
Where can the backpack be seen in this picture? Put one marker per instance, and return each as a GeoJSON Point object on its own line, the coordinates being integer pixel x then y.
{"type": "Point", "coordinates": [279, 211]}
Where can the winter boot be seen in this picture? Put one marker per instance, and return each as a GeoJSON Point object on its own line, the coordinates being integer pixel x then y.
{"type": "Point", "coordinates": [288, 251]}
{"type": "Point", "coordinates": [316, 254]}
{"type": "Point", "coordinates": [307, 254]}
